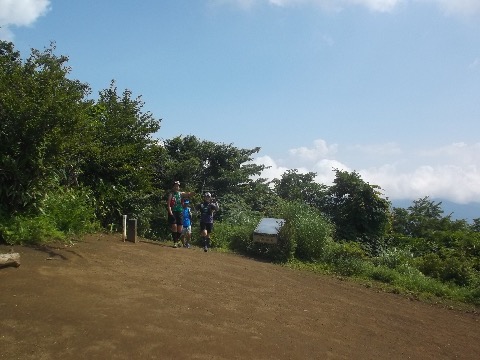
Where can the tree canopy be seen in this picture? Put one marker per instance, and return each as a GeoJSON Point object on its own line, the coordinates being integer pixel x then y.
{"type": "Point", "coordinates": [43, 114]}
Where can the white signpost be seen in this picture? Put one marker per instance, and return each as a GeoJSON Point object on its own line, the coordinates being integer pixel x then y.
{"type": "Point", "coordinates": [267, 230]}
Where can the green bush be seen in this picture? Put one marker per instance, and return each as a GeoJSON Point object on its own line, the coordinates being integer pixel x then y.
{"type": "Point", "coordinates": [347, 259]}
{"type": "Point", "coordinates": [469, 244]}
{"type": "Point", "coordinates": [305, 232]}
{"type": "Point", "coordinates": [72, 211]}
{"type": "Point", "coordinates": [446, 268]}
{"type": "Point", "coordinates": [29, 230]}
{"type": "Point", "coordinates": [231, 236]}
{"type": "Point", "coordinates": [64, 212]}
{"type": "Point", "coordinates": [417, 246]}
{"type": "Point", "coordinates": [393, 258]}
{"type": "Point", "coordinates": [473, 295]}
{"type": "Point", "coordinates": [383, 273]}
{"type": "Point", "coordinates": [458, 271]}
{"type": "Point", "coordinates": [302, 236]}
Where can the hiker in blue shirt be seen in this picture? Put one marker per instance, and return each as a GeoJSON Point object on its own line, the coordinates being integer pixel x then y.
{"type": "Point", "coordinates": [187, 224]}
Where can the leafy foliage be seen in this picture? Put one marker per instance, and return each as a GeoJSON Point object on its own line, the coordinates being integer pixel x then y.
{"type": "Point", "coordinates": [345, 258]}
{"type": "Point", "coordinates": [301, 187]}
{"type": "Point", "coordinates": [441, 248]}
{"type": "Point", "coordinates": [357, 209]}
{"type": "Point", "coordinates": [307, 227]}
{"type": "Point", "coordinates": [28, 229]}
{"type": "Point", "coordinates": [207, 166]}
{"type": "Point", "coordinates": [117, 162]}
{"type": "Point", "coordinates": [71, 210]}
{"type": "Point", "coordinates": [63, 213]}
{"type": "Point", "coordinates": [41, 119]}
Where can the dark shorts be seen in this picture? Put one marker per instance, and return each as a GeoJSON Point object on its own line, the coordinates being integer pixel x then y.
{"type": "Point", "coordinates": [206, 226]}
{"type": "Point", "coordinates": [176, 218]}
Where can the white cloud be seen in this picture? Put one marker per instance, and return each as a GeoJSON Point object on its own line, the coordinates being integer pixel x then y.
{"type": "Point", "coordinates": [325, 170]}
{"type": "Point", "coordinates": [450, 172]}
{"type": "Point", "coordinates": [20, 13]}
{"type": "Point", "coordinates": [449, 7]}
{"type": "Point", "coordinates": [458, 7]}
{"type": "Point", "coordinates": [374, 5]}
{"type": "Point", "coordinates": [320, 150]}
{"type": "Point", "coordinates": [456, 183]}
{"type": "Point", "coordinates": [273, 171]}
{"type": "Point", "coordinates": [458, 153]}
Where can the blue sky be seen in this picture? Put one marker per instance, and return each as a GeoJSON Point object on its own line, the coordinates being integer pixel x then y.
{"type": "Point", "coordinates": [388, 88]}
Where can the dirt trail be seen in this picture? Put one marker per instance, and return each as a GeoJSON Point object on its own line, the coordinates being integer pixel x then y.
{"type": "Point", "coordinates": [105, 299]}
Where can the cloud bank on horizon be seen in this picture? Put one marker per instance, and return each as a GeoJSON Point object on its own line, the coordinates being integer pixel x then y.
{"type": "Point", "coordinates": [455, 175]}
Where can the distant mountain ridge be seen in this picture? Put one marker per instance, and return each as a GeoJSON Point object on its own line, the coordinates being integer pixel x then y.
{"type": "Point", "coordinates": [459, 211]}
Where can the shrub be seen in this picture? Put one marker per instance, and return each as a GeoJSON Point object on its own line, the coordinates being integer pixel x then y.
{"type": "Point", "coordinates": [72, 211]}
{"type": "Point", "coordinates": [393, 258]}
{"type": "Point", "coordinates": [305, 232]}
{"type": "Point", "coordinates": [231, 236]}
{"type": "Point", "coordinates": [473, 295]}
{"type": "Point", "coordinates": [64, 212]}
{"type": "Point", "coordinates": [446, 268]}
{"type": "Point", "coordinates": [383, 274]}
{"type": "Point", "coordinates": [29, 230]}
{"type": "Point", "coordinates": [457, 271]}
{"type": "Point", "coordinates": [346, 259]}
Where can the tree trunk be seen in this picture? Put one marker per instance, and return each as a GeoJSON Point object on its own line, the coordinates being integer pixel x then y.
{"type": "Point", "coordinates": [12, 259]}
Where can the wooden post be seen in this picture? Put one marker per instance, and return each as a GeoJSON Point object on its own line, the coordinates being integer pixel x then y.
{"type": "Point", "coordinates": [124, 236]}
{"type": "Point", "coordinates": [132, 230]}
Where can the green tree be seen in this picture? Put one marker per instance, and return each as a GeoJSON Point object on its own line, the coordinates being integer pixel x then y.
{"type": "Point", "coordinates": [475, 226]}
{"type": "Point", "coordinates": [357, 209]}
{"type": "Point", "coordinates": [261, 197]}
{"type": "Point", "coordinates": [424, 217]}
{"type": "Point", "coordinates": [42, 114]}
{"type": "Point", "coordinates": [424, 229]}
{"type": "Point", "coordinates": [301, 187]}
{"type": "Point", "coordinates": [118, 164]}
{"type": "Point", "coordinates": [400, 221]}
{"type": "Point", "coordinates": [205, 165]}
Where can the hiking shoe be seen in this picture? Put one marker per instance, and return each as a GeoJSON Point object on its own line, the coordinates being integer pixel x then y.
{"type": "Point", "coordinates": [205, 248]}
{"type": "Point", "coordinates": [187, 245]}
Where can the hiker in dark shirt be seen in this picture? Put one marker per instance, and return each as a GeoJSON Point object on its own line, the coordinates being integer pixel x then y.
{"type": "Point", "coordinates": [206, 209]}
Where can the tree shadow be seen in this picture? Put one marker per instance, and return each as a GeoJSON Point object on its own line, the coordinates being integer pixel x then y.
{"type": "Point", "coordinates": [53, 252]}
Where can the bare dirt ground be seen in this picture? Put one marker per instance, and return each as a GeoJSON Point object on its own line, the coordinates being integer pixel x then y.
{"type": "Point", "coordinates": [103, 298]}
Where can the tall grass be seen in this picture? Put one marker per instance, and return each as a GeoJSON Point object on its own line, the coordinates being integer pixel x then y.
{"type": "Point", "coordinates": [64, 213]}
{"type": "Point", "coordinates": [307, 228]}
